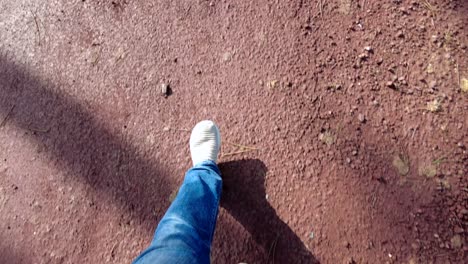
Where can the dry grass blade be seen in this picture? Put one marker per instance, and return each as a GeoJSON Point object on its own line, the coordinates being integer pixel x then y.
{"type": "Point", "coordinates": [272, 250]}
{"type": "Point", "coordinates": [37, 28]}
{"type": "Point", "coordinates": [431, 10]}
{"type": "Point", "coordinates": [5, 119]}
{"type": "Point", "coordinates": [242, 146]}
{"type": "Point", "coordinates": [38, 130]}
{"type": "Point", "coordinates": [321, 8]}
{"type": "Point", "coordinates": [236, 152]}
{"type": "Point", "coordinates": [181, 129]}
{"type": "Point", "coordinates": [166, 129]}
{"type": "Point", "coordinates": [440, 160]}
{"type": "Point", "coordinates": [240, 149]}
{"type": "Point", "coordinates": [429, 7]}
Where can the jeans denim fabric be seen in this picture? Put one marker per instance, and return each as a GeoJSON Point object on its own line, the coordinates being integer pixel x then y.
{"type": "Point", "coordinates": [185, 233]}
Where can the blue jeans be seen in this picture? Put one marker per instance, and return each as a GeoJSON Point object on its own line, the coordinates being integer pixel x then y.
{"type": "Point", "coordinates": [185, 233]}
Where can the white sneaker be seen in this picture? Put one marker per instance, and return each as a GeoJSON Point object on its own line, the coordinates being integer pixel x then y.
{"type": "Point", "coordinates": [205, 142]}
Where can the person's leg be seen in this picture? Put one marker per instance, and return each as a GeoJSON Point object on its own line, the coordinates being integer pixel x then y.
{"type": "Point", "coordinates": [185, 233]}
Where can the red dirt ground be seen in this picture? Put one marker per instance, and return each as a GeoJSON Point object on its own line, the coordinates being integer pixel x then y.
{"type": "Point", "coordinates": [355, 109]}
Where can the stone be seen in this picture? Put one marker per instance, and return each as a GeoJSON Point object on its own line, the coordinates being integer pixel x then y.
{"type": "Point", "coordinates": [165, 90]}
{"type": "Point", "coordinates": [390, 85]}
{"type": "Point", "coordinates": [362, 118]}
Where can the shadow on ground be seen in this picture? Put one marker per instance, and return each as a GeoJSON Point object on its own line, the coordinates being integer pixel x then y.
{"type": "Point", "coordinates": [9, 257]}
{"type": "Point", "coordinates": [405, 210]}
{"type": "Point", "coordinates": [75, 141]}
{"type": "Point", "coordinates": [244, 197]}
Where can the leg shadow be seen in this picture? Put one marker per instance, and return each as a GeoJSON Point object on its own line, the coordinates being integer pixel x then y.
{"type": "Point", "coordinates": [244, 198]}
{"type": "Point", "coordinates": [76, 141]}
{"type": "Point", "coordinates": [8, 255]}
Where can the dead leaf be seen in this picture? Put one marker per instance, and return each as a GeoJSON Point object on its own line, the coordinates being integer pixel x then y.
{"type": "Point", "coordinates": [434, 106]}
{"type": "Point", "coordinates": [173, 195]}
{"type": "Point", "coordinates": [327, 138]}
{"type": "Point", "coordinates": [430, 68]}
{"type": "Point", "coordinates": [401, 164]}
{"type": "Point", "coordinates": [428, 170]}
{"type": "Point", "coordinates": [412, 261]}
{"type": "Point", "coordinates": [272, 84]}
{"type": "Point", "coordinates": [345, 6]}
{"type": "Point", "coordinates": [456, 241]}
{"type": "Point", "coordinates": [464, 85]}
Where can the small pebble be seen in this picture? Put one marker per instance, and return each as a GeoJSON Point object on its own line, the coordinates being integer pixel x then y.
{"type": "Point", "coordinates": [363, 56]}
{"type": "Point", "coordinates": [347, 244]}
{"type": "Point", "coordinates": [165, 89]}
{"type": "Point", "coordinates": [311, 235]}
{"type": "Point", "coordinates": [400, 34]}
{"type": "Point", "coordinates": [362, 118]}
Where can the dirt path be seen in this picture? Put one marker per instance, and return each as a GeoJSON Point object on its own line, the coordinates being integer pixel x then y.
{"type": "Point", "coordinates": [352, 112]}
